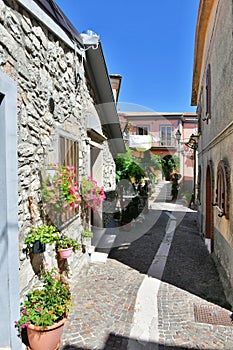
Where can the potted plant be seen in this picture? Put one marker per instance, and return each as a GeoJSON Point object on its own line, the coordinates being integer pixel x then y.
{"type": "Point", "coordinates": [44, 311]}
{"type": "Point", "coordinates": [92, 194]}
{"type": "Point", "coordinates": [86, 236]}
{"type": "Point", "coordinates": [37, 237]}
{"type": "Point", "coordinates": [65, 245]}
{"type": "Point", "coordinates": [186, 196]}
{"type": "Point", "coordinates": [60, 190]}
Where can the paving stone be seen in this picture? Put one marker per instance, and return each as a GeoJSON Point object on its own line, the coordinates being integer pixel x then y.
{"type": "Point", "coordinates": [104, 295]}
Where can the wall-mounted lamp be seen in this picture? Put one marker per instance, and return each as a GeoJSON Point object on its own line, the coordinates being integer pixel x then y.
{"type": "Point", "coordinates": [193, 141]}
{"type": "Point", "coordinates": [193, 144]}
{"type": "Point", "coordinates": [90, 40]}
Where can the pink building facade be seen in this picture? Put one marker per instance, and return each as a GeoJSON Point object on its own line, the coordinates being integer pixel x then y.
{"type": "Point", "coordinates": [164, 134]}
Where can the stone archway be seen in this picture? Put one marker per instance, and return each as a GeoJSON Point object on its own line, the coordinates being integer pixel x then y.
{"type": "Point", "coordinates": [209, 225]}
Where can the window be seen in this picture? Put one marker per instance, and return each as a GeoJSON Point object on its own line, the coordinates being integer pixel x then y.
{"type": "Point", "coordinates": [142, 130]}
{"type": "Point", "coordinates": [68, 155]}
{"type": "Point", "coordinates": [199, 112]}
{"type": "Point", "coordinates": [199, 185]}
{"type": "Point", "coordinates": [166, 135]}
{"type": "Point", "coordinates": [222, 191]}
{"type": "Point", "coordinates": [208, 92]}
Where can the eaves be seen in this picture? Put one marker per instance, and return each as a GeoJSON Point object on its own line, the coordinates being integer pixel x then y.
{"type": "Point", "coordinates": [204, 12]}
{"type": "Point", "coordinates": [48, 12]}
{"type": "Point", "coordinates": [105, 104]}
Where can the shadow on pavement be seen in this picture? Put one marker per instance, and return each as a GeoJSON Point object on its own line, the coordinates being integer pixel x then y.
{"type": "Point", "coordinates": [139, 253]}
{"type": "Point", "coordinates": [189, 265]}
{"type": "Point", "coordinates": [116, 341]}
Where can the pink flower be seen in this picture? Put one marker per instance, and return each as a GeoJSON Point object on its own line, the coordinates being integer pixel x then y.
{"type": "Point", "coordinates": [73, 189]}
{"type": "Point", "coordinates": [46, 267]}
{"type": "Point", "coordinates": [74, 205]}
{"type": "Point", "coordinates": [70, 180]}
{"type": "Point", "coordinates": [89, 177]}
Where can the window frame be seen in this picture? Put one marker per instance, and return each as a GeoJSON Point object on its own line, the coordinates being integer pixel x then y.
{"type": "Point", "coordinates": [208, 92]}
{"type": "Point", "coordinates": [172, 141]}
{"type": "Point", "coordinates": [143, 127]}
{"type": "Point", "coordinates": [66, 158]}
{"type": "Point", "coordinates": [69, 144]}
{"type": "Point", "coordinates": [199, 184]}
{"type": "Point", "coordinates": [199, 111]}
{"type": "Point", "coordinates": [222, 189]}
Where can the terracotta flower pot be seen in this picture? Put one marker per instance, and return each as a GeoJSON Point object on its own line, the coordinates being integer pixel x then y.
{"type": "Point", "coordinates": [65, 253]}
{"type": "Point", "coordinates": [47, 339]}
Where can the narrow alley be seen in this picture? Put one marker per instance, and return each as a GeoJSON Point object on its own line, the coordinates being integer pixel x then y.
{"type": "Point", "coordinates": [158, 288]}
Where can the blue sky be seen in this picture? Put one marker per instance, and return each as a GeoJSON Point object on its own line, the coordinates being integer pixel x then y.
{"type": "Point", "coordinates": [150, 43]}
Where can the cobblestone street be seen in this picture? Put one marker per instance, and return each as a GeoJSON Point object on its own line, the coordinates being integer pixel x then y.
{"type": "Point", "coordinates": [124, 304]}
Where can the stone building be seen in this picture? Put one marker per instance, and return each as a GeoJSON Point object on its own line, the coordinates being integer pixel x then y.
{"type": "Point", "coordinates": [212, 93]}
{"type": "Point", "coordinates": [56, 105]}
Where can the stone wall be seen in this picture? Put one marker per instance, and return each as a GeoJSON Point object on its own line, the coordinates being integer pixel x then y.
{"type": "Point", "coordinates": [45, 69]}
{"type": "Point", "coordinates": [216, 134]}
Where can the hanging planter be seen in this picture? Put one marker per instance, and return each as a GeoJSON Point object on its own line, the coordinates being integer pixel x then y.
{"type": "Point", "coordinates": [86, 237]}
{"type": "Point", "coordinates": [66, 252]}
{"type": "Point", "coordinates": [92, 194]}
{"type": "Point", "coordinates": [37, 237]}
{"type": "Point", "coordinates": [38, 247]}
{"type": "Point", "coordinates": [48, 338]}
{"type": "Point", "coordinates": [65, 245]}
{"type": "Point", "coordinates": [60, 189]}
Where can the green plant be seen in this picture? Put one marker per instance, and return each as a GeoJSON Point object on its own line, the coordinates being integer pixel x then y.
{"type": "Point", "coordinates": [127, 167]}
{"type": "Point", "coordinates": [156, 162]}
{"type": "Point", "coordinates": [61, 190]}
{"type": "Point", "coordinates": [170, 164]}
{"type": "Point", "coordinates": [48, 304]}
{"type": "Point", "coordinates": [65, 242]}
{"type": "Point", "coordinates": [186, 195]}
{"type": "Point", "coordinates": [45, 234]}
{"type": "Point", "coordinates": [92, 194]}
{"type": "Point", "coordinates": [87, 233]}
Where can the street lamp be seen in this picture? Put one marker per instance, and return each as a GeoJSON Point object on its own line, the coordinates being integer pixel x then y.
{"type": "Point", "coordinates": [178, 136]}
{"type": "Point", "coordinates": [193, 142]}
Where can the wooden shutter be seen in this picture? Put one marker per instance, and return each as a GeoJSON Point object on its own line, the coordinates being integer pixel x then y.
{"type": "Point", "coordinates": [208, 92]}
